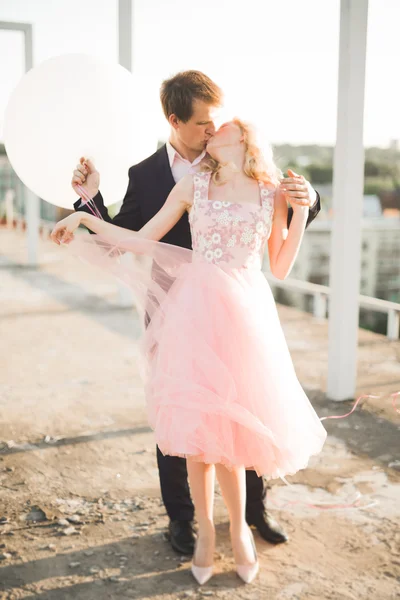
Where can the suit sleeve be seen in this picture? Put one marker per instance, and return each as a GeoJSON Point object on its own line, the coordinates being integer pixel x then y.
{"type": "Point", "coordinates": [129, 216]}
{"type": "Point", "coordinates": [314, 210]}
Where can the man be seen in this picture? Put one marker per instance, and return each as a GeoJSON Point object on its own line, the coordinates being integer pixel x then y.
{"type": "Point", "coordinates": [190, 101]}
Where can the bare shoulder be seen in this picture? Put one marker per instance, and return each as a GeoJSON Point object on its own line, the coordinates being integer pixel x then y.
{"type": "Point", "coordinates": [268, 185]}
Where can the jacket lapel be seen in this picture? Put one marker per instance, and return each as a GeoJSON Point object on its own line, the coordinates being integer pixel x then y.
{"type": "Point", "coordinates": [167, 181]}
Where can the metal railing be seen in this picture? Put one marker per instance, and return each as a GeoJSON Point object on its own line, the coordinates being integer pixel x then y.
{"type": "Point", "coordinates": [321, 293]}
{"type": "Point", "coordinates": [17, 221]}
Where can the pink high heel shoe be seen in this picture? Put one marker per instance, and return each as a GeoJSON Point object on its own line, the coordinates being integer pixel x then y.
{"type": "Point", "coordinates": [201, 574]}
{"type": "Point", "coordinates": [248, 572]}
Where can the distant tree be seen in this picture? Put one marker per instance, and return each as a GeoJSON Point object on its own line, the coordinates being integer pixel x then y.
{"type": "Point", "coordinates": [381, 169]}
{"type": "Point", "coordinates": [380, 163]}
{"type": "Point", "coordinates": [320, 173]}
{"type": "Point", "coordinates": [371, 169]}
{"type": "Point", "coordinates": [376, 185]}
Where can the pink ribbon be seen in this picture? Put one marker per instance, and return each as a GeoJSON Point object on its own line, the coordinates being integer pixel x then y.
{"type": "Point", "coordinates": [356, 502]}
{"type": "Point", "coordinates": [392, 396]}
{"type": "Point", "coordinates": [86, 199]}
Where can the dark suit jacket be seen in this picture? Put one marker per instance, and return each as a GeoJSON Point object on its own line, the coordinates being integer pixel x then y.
{"type": "Point", "coordinates": [150, 183]}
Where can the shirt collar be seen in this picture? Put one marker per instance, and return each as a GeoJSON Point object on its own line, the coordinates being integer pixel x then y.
{"type": "Point", "coordinates": [172, 154]}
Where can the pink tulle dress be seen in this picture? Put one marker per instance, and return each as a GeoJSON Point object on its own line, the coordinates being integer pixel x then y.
{"type": "Point", "coordinates": [219, 380]}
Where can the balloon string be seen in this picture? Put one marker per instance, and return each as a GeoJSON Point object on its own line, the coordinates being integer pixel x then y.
{"type": "Point", "coordinates": [352, 410]}
{"type": "Point", "coordinates": [91, 204]}
{"type": "Point", "coordinates": [87, 201]}
{"type": "Point", "coordinates": [329, 506]}
{"type": "Point", "coordinates": [393, 396]}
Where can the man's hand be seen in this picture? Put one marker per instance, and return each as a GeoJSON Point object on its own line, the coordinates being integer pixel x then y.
{"type": "Point", "coordinates": [87, 177]}
{"type": "Point", "coordinates": [297, 190]}
{"type": "Point", "coordinates": [63, 232]}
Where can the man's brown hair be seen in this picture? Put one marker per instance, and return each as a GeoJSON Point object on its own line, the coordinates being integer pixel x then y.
{"type": "Point", "coordinates": [178, 93]}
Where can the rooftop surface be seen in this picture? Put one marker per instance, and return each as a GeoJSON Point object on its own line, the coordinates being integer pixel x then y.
{"type": "Point", "coordinates": [75, 444]}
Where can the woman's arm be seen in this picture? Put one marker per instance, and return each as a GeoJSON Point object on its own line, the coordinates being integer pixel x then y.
{"type": "Point", "coordinates": [179, 200]}
{"type": "Point", "coordinates": [284, 243]}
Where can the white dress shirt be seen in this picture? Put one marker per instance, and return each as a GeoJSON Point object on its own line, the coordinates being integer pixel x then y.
{"type": "Point", "coordinates": [181, 166]}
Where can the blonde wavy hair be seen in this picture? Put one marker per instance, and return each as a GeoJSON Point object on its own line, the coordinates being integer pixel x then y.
{"type": "Point", "coordinates": [258, 165]}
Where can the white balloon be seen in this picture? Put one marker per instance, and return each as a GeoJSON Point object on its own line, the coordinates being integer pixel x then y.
{"type": "Point", "coordinates": [78, 105]}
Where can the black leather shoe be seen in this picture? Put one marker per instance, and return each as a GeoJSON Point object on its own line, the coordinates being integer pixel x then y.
{"type": "Point", "coordinates": [182, 537]}
{"type": "Point", "coordinates": [268, 528]}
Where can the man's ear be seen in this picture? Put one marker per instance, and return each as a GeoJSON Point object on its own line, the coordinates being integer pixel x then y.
{"type": "Point", "coordinates": [173, 121]}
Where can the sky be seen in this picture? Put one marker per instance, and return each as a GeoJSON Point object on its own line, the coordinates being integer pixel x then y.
{"type": "Point", "coordinates": [277, 61]}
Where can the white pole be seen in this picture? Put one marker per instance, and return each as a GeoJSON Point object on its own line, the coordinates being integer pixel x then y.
{"type": "Point", "coordinates": [33, 204]}
{"type": "Point", "coordinates": [125, 33]}
{"type": "Point", "coordinates": [32, 215]}
{"type": "Point", "coordinates": [125, 296]}
{"type": "Point", "coordinates": [347, 203]}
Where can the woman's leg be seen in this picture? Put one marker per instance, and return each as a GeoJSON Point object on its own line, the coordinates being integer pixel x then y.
{"type": "Point", "coordinates": [202, 484]}
{"type": "Point", "coordinates": [233, 488]}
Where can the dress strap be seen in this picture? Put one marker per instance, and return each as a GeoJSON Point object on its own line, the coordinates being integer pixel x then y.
{"type": "Point", "coordinates": [201, 182]}
{"type": "Point", "coordinates": [267, 194]}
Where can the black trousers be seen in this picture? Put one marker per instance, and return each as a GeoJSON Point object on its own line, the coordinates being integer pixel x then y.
{"type": "Point", "coordinates": [175, 490]}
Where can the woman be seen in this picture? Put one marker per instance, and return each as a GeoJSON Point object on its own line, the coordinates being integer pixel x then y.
{"type": "Point", "coordinates": [221, 389]}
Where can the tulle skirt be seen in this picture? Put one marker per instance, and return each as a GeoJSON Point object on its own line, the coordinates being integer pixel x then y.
{"type": "Point", "coordinates": [219, 380]}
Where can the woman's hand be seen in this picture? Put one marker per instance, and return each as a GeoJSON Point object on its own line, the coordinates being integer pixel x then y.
{"type": "Point", "coordinates": [63, 232]}
{"type": "Point", "coordinates": [87, 177]}
{"type": "Point", "coordinates": [297, 191]}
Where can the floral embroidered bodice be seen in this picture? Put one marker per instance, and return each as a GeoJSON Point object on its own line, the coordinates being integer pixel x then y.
{"type": "Point", "coordinates": [230, 234]}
